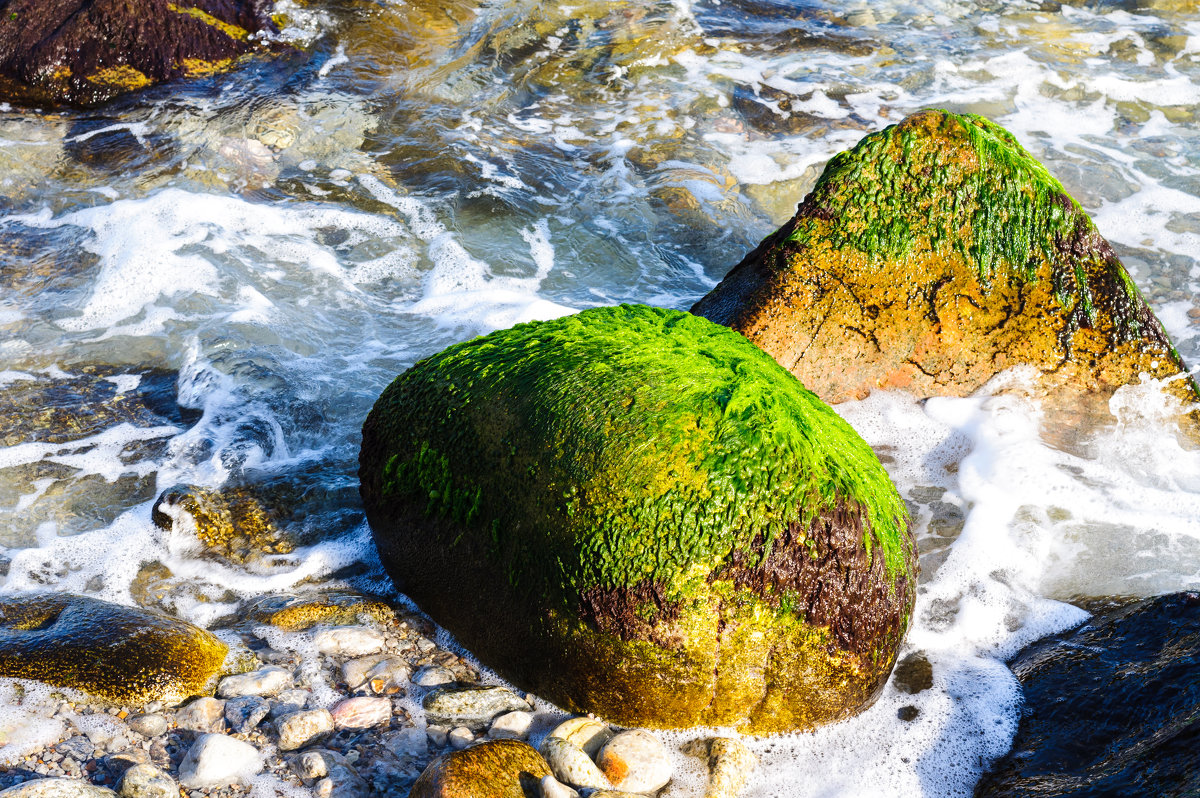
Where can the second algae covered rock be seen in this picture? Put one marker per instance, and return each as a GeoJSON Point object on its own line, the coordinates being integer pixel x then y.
{"type": "Point", "coordinates": [934, 255]}
{"type": "Point", "coordinates": [115, 653]}
{"type": "Point", "coordinates": [637, 513]}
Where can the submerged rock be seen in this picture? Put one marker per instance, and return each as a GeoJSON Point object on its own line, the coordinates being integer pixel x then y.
{"type": "Point", "coordinates": [660, 525]}
{"type": "Point", "coordinates": [297, 612]}
{"type": "Point", "coordinates": [1110, 708]}
{"type": "Point", "coordinates": [493, 769]}
{"type": "Point", "coordinates": [932, 256]}
{"type": "Point", "coordinates": [86, 52]}
{"type": "Point", "coordinates": [112, 652]}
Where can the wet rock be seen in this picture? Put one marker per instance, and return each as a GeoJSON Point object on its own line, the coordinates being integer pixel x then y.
{"type": "Point", "coordinates": [79, 747]}
{"type": "Point", "coordinates": [148, 725]}
{"type": "Point", "coordinates": [460, 737]}
{"type": "Point", "coordinates": [934, 255]}
{"type": "Point", "coordinates": [382, 674]}
{"type": "Point", "coordinates": [122, 761]}
{"type": "Point", "coordinates": [310, 766]}
{"type": "Point", "coordinates": [349, 641]}
{"type": "Point", "coordinates": [412, 742]}
{"type": "Point", "coordinates": [623, 607]}
{"type": "Point", "coordinates": [203, 715]}
{"type": "Point", "coordinates": [264, 681]}
{"type": "Point", "coordinates": [635, 761]}
{"type": "Point", "coordinates": [57, 788]}
{"type": "Point", "coordinates": [246, 712]}
{"type": "Point", "coordinates": [303, 728]}
{"type": "Point", "coordinates": [493, 769]}
{"type": "Point", "coordinates": [1110, 707]}
{"type": "Point", "coordinates": [730, 764]}
{"type": "Point", "coordinates": [362, 712]}
{"type": "Point", "coordinates": [234, 522]}
{"type": "Point", "coordinates": [85, 52]}
{"type": "Point", "coordinates": [289, 701]}
{"type": "Point", "coordinates": [571, 765]}
{"type": "Point", "coordinates": [216, 760]}
{"type": "Point", "coordinates": [514, 725]}
{"type": "Point", "coordinates": [116, 653]}
{"type": "Point", "coordinates": [588, 733]}
{"type": "Point", "coordinates": [433, 676]}
{"type": "Point", "coordinates": [469, 705]}
{"type": "Point", "coordinates": [297, 612]}
{"type": "Point", "coordinates": [147, 781]}
{"type": "Point", "coordinates": [553, 788]}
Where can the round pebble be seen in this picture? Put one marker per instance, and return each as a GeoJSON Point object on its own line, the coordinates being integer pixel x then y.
{"type": "Point", "coordinates": [202, 715]}
{"type": "Point", "coordinates": [303, 728]}
{"type": "Point", "coordinates": [246, 712]}
{"type": "Point", "coordinates": [432, 676]}
{"type": "Point", "coordinates": [148, 725]}
{"type": "Point", "coordinates": [349, 641]}
{"type": "Point", "coordinates": [147, 781]}
{"type": "Point", "coordinates": [460, 737]}
{"type": "Point", "coordinates": [513, 725]}
{"type": "Point", "coordinates": [635, 761]}
{"type": "Point", "coordinates": [264, 681]}
{"type": "Point", "coordinates": [363, 712]}
{"type": "Point", "coordinates": [57, 788]}
{"type": "Point", "coordinates": [571, 765]}
{"type": "Point", "coordinates": [588, 733]}
{"type": "Point", "coordinates": [216, 760]}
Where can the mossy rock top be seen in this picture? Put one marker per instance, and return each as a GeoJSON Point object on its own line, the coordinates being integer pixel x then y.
{"type": "Point", "coordinates": [627, 475]}
{"type": "Point", "coordinates": [86, 52]}
{"type": "Point", "coordinates": [492, 769]}
{"type": "Point", "coordinates": [933, 255]}
{"type": "Point", "coordinates": [115, 653]}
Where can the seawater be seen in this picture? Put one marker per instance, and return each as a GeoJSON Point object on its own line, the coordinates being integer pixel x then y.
{"type": "Point", "coordinates": [276, 245]}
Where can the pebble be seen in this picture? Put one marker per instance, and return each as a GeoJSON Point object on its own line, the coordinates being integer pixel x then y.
{"type": "Point", "coordinates": [202, 715]}
{"type": "Point", "coordinates": [553, 788]}
{"type": "Point", "coordinates": [406, 742]}
{"type": "Point", "coordinates": [471, 706]}
{"type": "Point", "coordinates": [635, 761]}
{"type": "Point", "coordinates": [460, 737]}
{"type": "Point", "coordinates": [216, 760]}
{"type": "Point", "coordinates": [514, 725]}
{"type": "Point", "coordinates": [433, 676]}
{"type": "Point", "coordinates": [303, 728]}
{"type": "Point", "coordinates": [148, 725]}
{"type": "Point", "coordinates": [383, 674]}
{"type": "Point", "coordinates": [289, 701]}
{"type": "Point", "coordinates": [246, 712]}
{"type": "Point", "coordinates": [571, 765]}
{"type": "Point", "coordinates": [310, 766]}
{"type": "Point", "coordinates": [147, 781]}
{"type": "Point", "coordinates": [57, 788]}
{"type": "Point", "coordinates": [79, 747]}
{"type": "Point", "coordinates": [349, 641]}
{"type": "Point", "coordinates": [361, 713]}
{"type": "Point", "coordinates": [730, 764]}
{"type": "Point", "coordinates": [123, 760]}
{"type": "Point", "coordinates": [264, 681]}
{"type": "Point", "coordinates": [437, 735]}
{"type": "Point", "coordinates": [588, 733]}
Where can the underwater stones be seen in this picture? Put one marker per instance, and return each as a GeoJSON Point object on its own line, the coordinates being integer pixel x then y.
{"type": "Point", "coordinates": [298, 612]}
{"type": "Point", "coordinates": [216, 760]}
{"type": "Point", "coordinates": [234, 523]}
{"type": "Point", "coordinates": [492, 769]}
{"type": "Point", "coordinates": [302, 728]}
{"type": "Point", "coordinates": [469, 705]}
{"type": "Point", "coordinates": [932, 256]}
{"type": "Point", "coordinates": [603, 482]}
{"type": "Point", "coordinates": [112, 652]}
{"type": "Point", "coordinates": [264, 681]}
{"type": "Point", "coordinates": [86, 52]}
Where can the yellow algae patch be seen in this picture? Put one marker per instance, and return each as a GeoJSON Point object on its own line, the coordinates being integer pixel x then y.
{"type": "Point", "coordinates": [199, 68]}
{"type": "Point", "coordinates": [119, 77]}
{"type": "Point", "coordinates": [232, 31]}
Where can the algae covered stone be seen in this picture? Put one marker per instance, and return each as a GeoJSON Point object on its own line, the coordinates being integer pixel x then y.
{"type": "Point", "coordinates": [657, 523]}
{"type": "Point", "coordinates": [115, 653]}
{"type": "Point", "coordinates": [493, 769]}
{"type": "Point", "coordinates": [933, 255]}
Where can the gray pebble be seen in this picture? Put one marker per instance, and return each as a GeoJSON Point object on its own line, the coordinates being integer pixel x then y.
{"type": "Point", "coordinates": [147, 781]}
{"type": "Point", "coordinates": [289, 701]}
{"type": "Point", "coordinates": [148, 725]}
{"type": "Point", "coordinates": [246, 712]}
{"type": "Point", "coordinates": [303, 728]}
{"type": "Point", "coordinates": [79, 747]}
{"type": "Point", "coordinates": [469, 705]}
{"type": "Point", "coordinates": [202, 715]}
{"type": "Point", "coordinates": [57, 788]}
{"type": "Point", "coordinates": [433, 676]}
{"type": "Point", "coordinates": [264, 681]}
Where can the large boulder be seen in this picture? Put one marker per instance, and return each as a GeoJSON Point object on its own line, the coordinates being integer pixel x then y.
{"type": "Point", "coordinates": [112, 652]}
{"type": "Point", "coordinates": [493, 769]}
{"type": "Point", "coordinates": [637, 513]}
{"type": "Point", "coordinates": [934, 255]}
{"type": "Point", "coordinates": [85, 52]}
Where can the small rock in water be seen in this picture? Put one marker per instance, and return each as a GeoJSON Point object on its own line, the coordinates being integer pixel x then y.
{"type": "Point", "coordinates": [349, 641]}
{"type": "Point", "coordinates": [493, 769]}
{"type": "Point", "coordinates": [635, 761]}
{"type": "Point", "coordinates": [148, 725]}
{"type": "Point", "coordinates": [57, 788]}
{"type": "Point", "coordinates": [460, 737]}
{"type": "Point", "coordinates": [289, 701]}
{"type": "Point", "coordinates": [122, 761]}
{"type": "Point", "coordinates": [437, 735]}
{"type": "Point", "coordinates": [571, 765]}
{"type": "Point", "coordinates": [588, 733]}
{"type": "Point", "coordinates": [407, 742]}
{"type": "Point", "coordinates": [362, 712]}
{"type": "Point", "coordinates": [79, 747]}
{"type": "Point", "coordinates": [310, 766]}
{"type": "Point", "coordinates": [264, 681]}
{"type": "Point", "coordinates": [202, 715]}
{"type": "Point", "coordinates": [383, 674]}
{"type": "Point", "coordinates": [303, 728]}
{"type": "Point", "coordinates": [246, 712]}
{"type": "Point", "coordinates": [553, 788]}
{"type": "Point", "coordinates": [433, 676]}
{"type": "Point", "coordinates": [147, 781]}
{"type": "Point", "coordinates": [515, 725]}
{"type": "Point", "coordinates": [216, 760]}
{"type": "Point", "coordinates": [469, 705]}
{"type": "Point", "coordinates": [730, 764]}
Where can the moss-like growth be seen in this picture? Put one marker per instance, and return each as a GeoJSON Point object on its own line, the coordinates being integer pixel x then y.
{"type": "Point", "coordinates": [115, 653]}
{"type": "Point", "coordinates": [494, 769]}
{"type": "Point", "coordinates": [933, 255]}
{"type": "Point", "coordinates": [658, 524]}
{"type": "Point", "coordinates": [86, 52]}
{"type": "Point", "coordinates": [295, 613]}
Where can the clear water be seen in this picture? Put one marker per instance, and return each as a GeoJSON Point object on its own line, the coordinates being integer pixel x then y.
{"type": "Point", "coordinates": [277, 245]}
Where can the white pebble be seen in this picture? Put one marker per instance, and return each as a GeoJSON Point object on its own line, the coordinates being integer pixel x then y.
{"type": "Point", "coordinates": [514, 725]}
{"type": "Point", "coordinates": [310, 765]}
{"type": "Point", "coordinates": [571, 765]}
{"type": "Point", "coordinates": [349, 641]}
{"type": "Point", "coordinates": [460, 737]}
{"type": "Point", "coordinates": [265, 681]}
{"type": "Point", "coordinates": [553, 788]}
{"type": "Point", "coordinates": [216, 760]}
{"type": "Point", "coordinates": [589, 734]}
{"type": "Point", "coordinates": [432, 676]}
{"type": "Point", "coordinates": [302, 728]}
{"type": "Point", "coordinates": [635, 761]}
{"type": "Point", "coordinates": [363, 712]}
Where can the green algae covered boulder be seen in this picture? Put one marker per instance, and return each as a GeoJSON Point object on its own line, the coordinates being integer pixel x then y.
{"type": "Point", "coordinates": [115, 653]}
{"type": "Point", "coordinates": [930, 257]}
{"type": "Point", "coordinates": [493, 769]}
{"type": "Point", "coordinates": [637, 513]}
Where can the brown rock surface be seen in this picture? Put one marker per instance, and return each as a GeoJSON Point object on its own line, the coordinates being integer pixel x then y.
{"type": "Point", "coordinates": [494, 769]}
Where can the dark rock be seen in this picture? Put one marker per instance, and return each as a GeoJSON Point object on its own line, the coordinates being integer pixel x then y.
{"type": "Point", "coordinates": [86, 52]}
{"type": "Point", "coordinates": [245, 712]}
{"type": "Point", "coordinates": [1111, 708]}
{"type": "Point", "coordinates": [494, 769]}
{"type": "Point", "coordinates": [658, 523]}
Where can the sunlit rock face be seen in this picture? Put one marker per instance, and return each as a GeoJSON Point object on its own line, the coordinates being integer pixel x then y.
{"type": "Point", "coordinates": [934, 255]}
{"type": "Point", "coordinates": [637, 513]}
{"type": "Point", "coordinates": [86, 52]}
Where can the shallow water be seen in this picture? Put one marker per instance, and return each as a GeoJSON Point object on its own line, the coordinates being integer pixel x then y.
{"type": "Point", "coordinates": [240, 265]}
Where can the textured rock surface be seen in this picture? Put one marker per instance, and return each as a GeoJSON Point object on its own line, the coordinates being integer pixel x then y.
{"type": "Point", "coordinates": [661, 525]}
{"type": "Point", "coordinates": [635, 761]}
{"type": "Point", "coordinates": [57, 788]}
{"type": "Point", "coordinates": [494, 769]}
{"type": "Point", "coordinates": [110, 651]}
{"type": "Point", "coordinates": [469, 705]}
{"type": "Point", "coordinates": [933, 255]}
{"type": "Point", "coordinates": [147, 781]}
{"type": "Point", "coordinates": [216, 759]}
{"type": "Point", "coordinates": [84, 52]}
{"type": "Point", "coordinates": [303, 728]}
